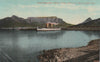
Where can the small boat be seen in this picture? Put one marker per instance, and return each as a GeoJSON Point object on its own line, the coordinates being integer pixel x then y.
{"type": "Point", "coordinates": [48, 29]}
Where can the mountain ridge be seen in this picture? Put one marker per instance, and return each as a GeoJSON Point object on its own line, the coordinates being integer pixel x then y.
{"type": "Point", "coordinates": [90, 22]}
{"type": "Point", "coordinates": [92, 25]}
{"type": "Point", "coordinates": [15, 21]}
{"type": "Point", "coordinates": [87, 20]}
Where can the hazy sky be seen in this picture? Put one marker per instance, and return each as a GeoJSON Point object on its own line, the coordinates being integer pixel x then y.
{"type": "Point", "coordinates": [71, 11]}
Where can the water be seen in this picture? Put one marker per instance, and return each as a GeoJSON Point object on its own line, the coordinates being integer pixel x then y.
{"type": "Point", "coordinates": [24, 46]}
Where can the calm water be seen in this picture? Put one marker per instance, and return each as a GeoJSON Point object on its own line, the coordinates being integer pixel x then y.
{"type": "Point", "coordinates": [24, 46]}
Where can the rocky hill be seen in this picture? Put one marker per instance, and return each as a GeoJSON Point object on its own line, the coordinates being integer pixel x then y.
{"type": "Point", "coordinates": [87, 20]}
{"type": "Point", "coordinates": [90, 22]}
{"type": "Point", "coordinates": [13, 21]}
{"type": "Point", "coordinates": [16, 21]}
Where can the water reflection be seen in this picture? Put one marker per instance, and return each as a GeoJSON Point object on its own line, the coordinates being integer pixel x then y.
{"type": "Point", "coordinates": [91, 33]}
{"type": "Point", "coordinates": [47, 34]}
{"type": "Point", "coordinates": [50, 34]}
{"type": "Point", "coordinates": [23, 46]}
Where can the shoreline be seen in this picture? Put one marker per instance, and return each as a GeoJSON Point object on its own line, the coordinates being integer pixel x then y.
{"type": "Point", "coordinates": [19, 28]}
{"type": "Point", "coordinates": [82, 28]}
{"type": "Point", "coordinates": [61, 29]}
{"type": "Point", "coordinates": [89, 53]}
{"type": "Point", "coordinates": [69, 28]}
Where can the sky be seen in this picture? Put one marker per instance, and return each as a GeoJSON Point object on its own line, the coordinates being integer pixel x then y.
{"type": "Point", "coordinates": [71, 11]}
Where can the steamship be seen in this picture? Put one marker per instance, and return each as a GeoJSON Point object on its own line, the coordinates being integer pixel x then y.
{"type": "Point", "coordinates": [49, 27]}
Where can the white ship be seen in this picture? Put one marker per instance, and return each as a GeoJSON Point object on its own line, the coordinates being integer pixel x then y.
{"type": "Point", "coordinates": [50, 27]}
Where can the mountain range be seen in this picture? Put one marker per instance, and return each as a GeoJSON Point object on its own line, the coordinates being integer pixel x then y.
{"type": "Point", "coordinates": [15, 21]}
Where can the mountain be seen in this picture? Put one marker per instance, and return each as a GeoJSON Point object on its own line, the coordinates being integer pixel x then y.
{"type": "Point", "coordinates": [87, 25]}
{"type": "Point", "coordinates": [15, 21]}
{"type": "Point", "coordinates": [90, 22]}
{"type": "Point", "coordinates": [87, 20]}
{"type": "Point", "coordinates": [44, 19]}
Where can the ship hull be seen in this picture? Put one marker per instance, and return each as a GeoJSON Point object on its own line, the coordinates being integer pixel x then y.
{"type": "Point", "coordinates": [48, 29]}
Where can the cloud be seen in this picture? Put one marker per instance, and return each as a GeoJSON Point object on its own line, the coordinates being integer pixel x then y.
{"type": "Point", "coordinates": [63, 6]}
{"type": "Point", "coordinates": [29, 6]}
{"type": "Point", "coordinates": [93, 9]}
{"type": "Point", "coordinates": [90, 8]}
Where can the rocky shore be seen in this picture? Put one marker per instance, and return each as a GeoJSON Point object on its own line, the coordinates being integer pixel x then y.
{"type": "Point", "coordinates": [89, 53]}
